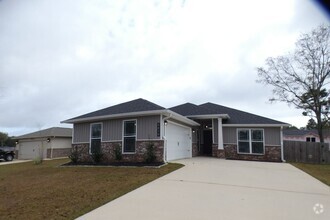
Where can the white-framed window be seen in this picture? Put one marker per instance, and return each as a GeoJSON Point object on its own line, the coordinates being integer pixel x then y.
{"type": "Point", "coordinates": [310, 139]}
{"type": "Point", "coordinates": [96, 136]}
{"type": "Point", "coordinates": [129, 136]}
{"type": "Point", "coordinates": [250, 141]}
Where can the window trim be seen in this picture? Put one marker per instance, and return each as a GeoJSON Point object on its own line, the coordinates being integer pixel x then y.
{"type": "Point", "coordinates": [311, 138]}
{"type": "Point", "coordinates": [250, 140]}
{"type": "Point", "coordinates": [123, 139]}
{"type": "Point", "coordinates": [90, 135]}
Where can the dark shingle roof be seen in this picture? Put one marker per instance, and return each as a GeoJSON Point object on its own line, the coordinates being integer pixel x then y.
{"type": "Point", "coordinates": [137, 105]}
{"type": "Point", "coordinates": [297, 132]}
{"type": "Point", "coordinates": [192, 109]}
{"type": "Point", "coordinates": [239, 117]}
{"type": "Point", "coordinates": [50, 132]}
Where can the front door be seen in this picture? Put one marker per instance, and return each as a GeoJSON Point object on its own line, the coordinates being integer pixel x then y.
{"type": "Point", "coordinates": [207, 142]}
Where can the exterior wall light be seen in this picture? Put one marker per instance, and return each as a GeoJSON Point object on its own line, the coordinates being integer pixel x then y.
{"type": "Point", "coordinates": [48, 140]}
{"type": "Point", "coordinates": [165, 122]}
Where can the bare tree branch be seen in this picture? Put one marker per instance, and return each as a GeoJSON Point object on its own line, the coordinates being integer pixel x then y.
{"type": "Point", "coordinates": [300, 78]}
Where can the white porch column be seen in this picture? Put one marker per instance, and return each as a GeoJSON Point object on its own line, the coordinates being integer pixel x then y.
{"type": "Point", "coordinates": [220, 136]}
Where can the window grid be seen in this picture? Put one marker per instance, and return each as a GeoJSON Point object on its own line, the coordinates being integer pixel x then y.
{"type": "Point", "coordinates": [129, 137]}
{"type": "Point", "coordinates": [250, 141]}
{"type": "Point", "coordinates": [95, 137]}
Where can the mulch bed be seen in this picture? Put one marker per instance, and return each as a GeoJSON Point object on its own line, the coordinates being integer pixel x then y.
{"type": "Point", "coordinates": [116, 164]}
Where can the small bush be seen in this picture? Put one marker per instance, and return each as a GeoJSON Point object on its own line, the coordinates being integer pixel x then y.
{"type": "Point", "coordinates": [97, 156]}
{"type": "Point", "coordinates": [37, 161]}
{"type": "Point", "coordinates": [75, 155]}
{"type": "Point", "coordinates": [150, 156]}
{"type": "Point", "coordinates": [117, 152]}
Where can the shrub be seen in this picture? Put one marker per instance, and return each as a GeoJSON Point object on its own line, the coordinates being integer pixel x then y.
{"type": "Point", "coordinates": [117, 152]}
{"type": "Point", "coordinates": [150, 153]}
{"type": "Point", "coordinates": [97, 156]}
{"type": "Point", "coordinates": [74, 155]}
{"type": "Point", "coordinates": [37, 161]}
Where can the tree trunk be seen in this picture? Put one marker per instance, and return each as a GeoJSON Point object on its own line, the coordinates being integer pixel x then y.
{"type": "Point", "coordinates": [319, 126]}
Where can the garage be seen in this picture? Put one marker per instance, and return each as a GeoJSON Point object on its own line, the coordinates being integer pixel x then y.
{"type": "Point", "coordinates": [48, 143]}
{"type": "Point", "coordinates": [31, 149]}
{"type": "Point", "coordinates": [178, 141]}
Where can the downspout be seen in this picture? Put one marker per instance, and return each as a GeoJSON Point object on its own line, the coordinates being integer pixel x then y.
{"type": "Point", "coordinates": [51, 149]}
{"type": "Point", "coordinates": [282, 147]}
{"type": "Point", "coordinates": [164, 136]}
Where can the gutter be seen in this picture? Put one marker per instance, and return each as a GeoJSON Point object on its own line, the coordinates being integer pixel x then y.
{"type": "Point", "coordinates": [282, 147]}
{"type": "Point", "coordinates": [164, 136]}
{"type": "Point", "coordinates": [51, 148]}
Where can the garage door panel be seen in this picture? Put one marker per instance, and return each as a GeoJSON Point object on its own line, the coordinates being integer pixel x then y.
{"type": "Point", "coordinates": [178, 142]}
{"type": "Point", "coordinates": [31, 150]}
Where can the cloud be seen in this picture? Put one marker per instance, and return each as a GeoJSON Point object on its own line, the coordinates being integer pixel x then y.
{"type": "Point", "coordinates": [60, 59]}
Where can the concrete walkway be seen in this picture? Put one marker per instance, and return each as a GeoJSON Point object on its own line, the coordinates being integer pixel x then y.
{"type": "Point", "coordinates": [3, 162]}
{"type": "Point", "coordinates": [210, 188]}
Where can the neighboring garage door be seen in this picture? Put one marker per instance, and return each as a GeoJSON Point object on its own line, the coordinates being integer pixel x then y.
{"type": "Point", "coordinates": [178, 140]}
{"type": "Point", "coordinates": [29, 150]}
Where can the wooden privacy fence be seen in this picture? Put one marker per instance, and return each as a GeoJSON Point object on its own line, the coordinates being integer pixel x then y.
{"type": "Point", "coordinates": [306, 152]}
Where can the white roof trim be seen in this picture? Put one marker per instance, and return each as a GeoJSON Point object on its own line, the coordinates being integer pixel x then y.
{"type": "Point", "coordinates": [255, 125]}
{"type": "Point", "coordinates": [210, 116]}
{"type": "Point", "coordinates": [181, 118]}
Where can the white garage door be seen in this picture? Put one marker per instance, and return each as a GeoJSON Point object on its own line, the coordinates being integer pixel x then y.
{"type": "Point", "coordinates": [178, 141]}
{"type": "Point", "coordinates": [30, 150]}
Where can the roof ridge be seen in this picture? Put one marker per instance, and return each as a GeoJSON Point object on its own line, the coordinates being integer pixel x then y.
{"type": "Point", "coordinates": [237, 110]}
{"type": "Point", "coordinates": [136, 105]}
{"type": "Point", "coordinates": [247, 114]}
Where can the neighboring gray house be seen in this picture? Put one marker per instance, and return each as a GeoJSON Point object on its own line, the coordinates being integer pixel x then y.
{"type": "Point", "coordinates": [183, 131]}
{"type": "Point", "coordinates": [305, 135]}
{"type": "Point", "coordinates": [49, 143]}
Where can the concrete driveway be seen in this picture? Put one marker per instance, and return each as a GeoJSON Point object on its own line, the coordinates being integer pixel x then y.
{"type": "Point", "coordinates": [210, 188]}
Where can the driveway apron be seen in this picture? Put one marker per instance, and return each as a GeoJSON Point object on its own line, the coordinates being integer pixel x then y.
{"type": "Point", "coordinates": [210, 188]}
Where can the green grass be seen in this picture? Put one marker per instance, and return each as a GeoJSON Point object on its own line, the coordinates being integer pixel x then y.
{"type": "Point", "coordinates": [319, 171]}
{"type": "Point", "coordinates": [47, 191]}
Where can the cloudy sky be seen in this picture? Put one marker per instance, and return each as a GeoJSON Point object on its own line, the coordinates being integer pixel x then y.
{"type": "Point", "coordinates": [63, 58]}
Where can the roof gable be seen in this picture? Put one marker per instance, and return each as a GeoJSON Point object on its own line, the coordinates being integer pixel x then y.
{"type": "Point", "coordinates": [239, 117]}
{"type": "Point", "coordinates": [189, 109]}
{"type": "Point", "coordinates": [137, 105]}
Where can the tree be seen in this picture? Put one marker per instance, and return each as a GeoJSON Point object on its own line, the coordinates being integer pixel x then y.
{"type": "Point", "coordinates": [300, 78]}
{"type": "Point", "coordinates": [3, 138]}
{"type": "Point", "coordinates": [311, 124]}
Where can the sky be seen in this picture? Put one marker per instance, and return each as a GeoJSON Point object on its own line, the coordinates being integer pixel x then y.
{"type": "Point", "coordinates": [63, 58]}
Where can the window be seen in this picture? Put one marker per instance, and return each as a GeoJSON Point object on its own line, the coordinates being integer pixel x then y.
{"type": "Point", "coordinates": [96, 134]}
{"type": "Point", "coordinates": [250, 141]}
{"type": "Point", "coordinates": [310, 139]}
{"type": "Point", "coordinates": [129, 136]}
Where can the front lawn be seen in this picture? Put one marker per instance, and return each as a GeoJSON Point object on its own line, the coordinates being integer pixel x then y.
{"type": "Point", "coordinates": [47, 191]}
{"type": "Point", "coordinates": [319, 171]}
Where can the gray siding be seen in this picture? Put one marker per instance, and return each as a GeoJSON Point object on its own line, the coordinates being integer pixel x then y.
{"type": "Point", "coordinates": [147, 127]}
{"type": "Point", "coordinates": [112, 130]}
{"type": "Point", "coordinates": [229, 135]}
{"type": "Point", "coordinates": [194, 133]}
{"type": "Point", "coordinates": [272, 136]}
{"type": "Point", "coordinates": [81, 133]}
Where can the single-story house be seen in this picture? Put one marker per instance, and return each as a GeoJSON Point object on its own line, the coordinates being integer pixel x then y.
{"type": "Point", "coordinates": [179, 132]}
{"type": "Point", "coordinates": [49, 143]}
{"type": "Point", "coordinates": [305, 135]}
